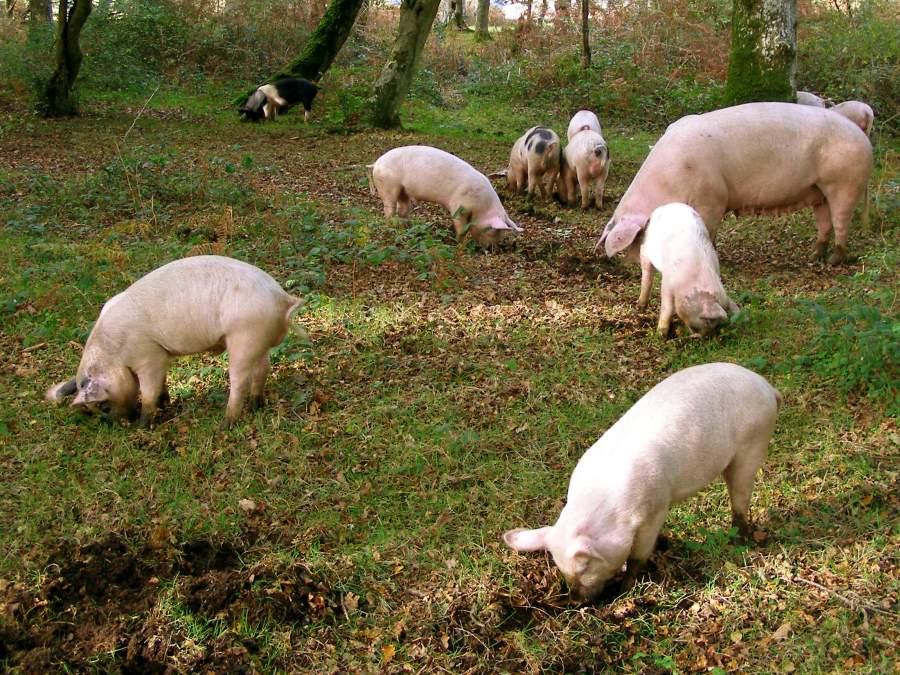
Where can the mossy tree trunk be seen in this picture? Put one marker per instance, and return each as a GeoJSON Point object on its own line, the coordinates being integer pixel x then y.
{"type": "Point", "coordinates": [322, 47]}
{"type": "Point", "coordinates": [763, 60]}
{"type": "Point", "coordinates": [59, 99]}
{"type": "Point", "coordinates": [585, 34]}
{"type": "Point", "coordinates": [482, 21]}
{"type": "Point", "coordinates": [416, 18]}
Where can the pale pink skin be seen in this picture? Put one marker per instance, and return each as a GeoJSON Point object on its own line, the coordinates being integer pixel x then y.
{"type": "Point", "coordinates": [751, 158]}
{"type": "Point", "coordinates": [583, 120]}
{"type": "Point", "coordinates": [536, 171]}
{"type": "Point", "coordinates": [422, 173]}
{"type": "Point", "coordinates": [586, 159]}
{"type": "Point", "coordinates": [861, 114]}
{"type": "Point", "coordinates": [807, 98]}
{"type": "Point", "coordinates": [677, 244]}
{"type": "Point", "coordinates": [192, 305]}
{"type": "Point", "coordinates": [702, 422]}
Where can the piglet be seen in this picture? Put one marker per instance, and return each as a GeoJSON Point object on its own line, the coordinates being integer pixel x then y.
{"type": "Point", "coordinates": [583, 120]}
{"type": "Point", "coordinates": [676, 243]}
{"type": "Point", "coordinates": [703, 421]}
{"type": "Point", "coordinates": [585, 158]}
{"type": "Point", "coordinates": [199, 304]}
{"type": "Point", "coordinates": [534, 161]}
{"type": "Point", "coordinates": [861, 114]}
{"type": "Point", "coordinates": [422, 173]}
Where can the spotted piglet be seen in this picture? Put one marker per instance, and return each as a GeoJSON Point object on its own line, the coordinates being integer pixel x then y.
{"type": "Point", "coordinates": [534, 161]}
{"type": "Point", "coordinates": [701, 422]}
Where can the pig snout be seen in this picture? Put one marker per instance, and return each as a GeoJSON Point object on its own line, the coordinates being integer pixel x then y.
{"type": "Point", "coordinates": [702, 312]}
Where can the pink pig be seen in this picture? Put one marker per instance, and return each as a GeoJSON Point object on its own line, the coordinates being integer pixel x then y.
{"type": "Point", "coordinates": [751, 158]}
{"type": "Point", "coordinates": [422, 173]}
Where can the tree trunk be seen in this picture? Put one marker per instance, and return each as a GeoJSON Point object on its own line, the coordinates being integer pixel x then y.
{"type": "Point", "coordinates": [10, 8]}
{"type": "Point", "coordinates": [416, 17]}
{"type": "Point", "coordinates": [585, 34]}
{"type": "Point", "coordinates": [40, 11]}
{"type": "Point", "coordinates": [59, 100]}
{"type": "Point", "coordinates": [763, 61]}
{"type": "Point", "coordinates": [323, 45]}
{"type": "Point", "coordinates": [482, 21]}
{"type": "Point", "coordinates": [459, 13]}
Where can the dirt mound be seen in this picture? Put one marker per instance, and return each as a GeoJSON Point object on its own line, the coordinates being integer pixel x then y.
{"type": "Point", "coordinates": [121, 607]}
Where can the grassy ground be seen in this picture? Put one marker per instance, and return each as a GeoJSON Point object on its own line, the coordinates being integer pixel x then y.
{"type": "Point", "coordinates": [444, 397]}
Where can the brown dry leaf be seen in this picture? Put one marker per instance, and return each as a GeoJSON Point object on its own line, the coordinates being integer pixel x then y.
{"type": "Point", "coordinates": [351, 602]}
{"type": "Point", "coordinates": [247, 505]}
{"type": "Point", "coordinates": [782, 632]}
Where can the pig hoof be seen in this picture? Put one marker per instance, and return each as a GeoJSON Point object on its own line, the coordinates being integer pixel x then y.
{"type": "Point", "coordinates": [820, 252]}
{"type": "Point", "coordinates": [838, 256]}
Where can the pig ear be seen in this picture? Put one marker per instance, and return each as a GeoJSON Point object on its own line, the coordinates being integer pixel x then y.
{"type": "Point", "coordinates": [527, 540]}
{"type": "Point", "coordinates": [512, 225]}
{"type": "Point", "coordinates": [61, 390]}
{"type": "Point", "coordinates": [581, 547]}
{"type": "Point", "coordinates": [620, 233]}
{"type": "Point", "coordinates": [92, 391]}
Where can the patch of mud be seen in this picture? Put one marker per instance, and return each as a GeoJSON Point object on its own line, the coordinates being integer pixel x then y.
{"type": "Point", "coordinates": [121, 608]}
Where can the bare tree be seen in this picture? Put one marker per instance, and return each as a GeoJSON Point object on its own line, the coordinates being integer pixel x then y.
{"type": "Point", "coordinates": [763, 60]}
{"type": "Point", "coordinates": [59, 99]}
{"type": "Point", "coordinates": [482, 21]}
{"type": "Point", "coordinates": [416, 18]}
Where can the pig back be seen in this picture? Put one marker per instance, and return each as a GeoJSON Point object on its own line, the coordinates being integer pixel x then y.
{"type": "Point", "coordinates": [431, 175]}
{"type": "Point", "coordinates": [191, 305]}
{"type": "Point", "coordinates": [763, 155]}
{"type": "Point", "coordinates": [686, 429]}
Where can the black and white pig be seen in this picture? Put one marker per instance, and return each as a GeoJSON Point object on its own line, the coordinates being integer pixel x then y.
{"type": "Point", "coordinates": [266, 101]}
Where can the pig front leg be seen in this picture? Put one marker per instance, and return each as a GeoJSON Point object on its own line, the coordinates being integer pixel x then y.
{"type": "Point", "coordinates": [642, 548]}
{"type": "Point", "coordinates": [646, 282]}
{"type": "Point", "coordinates": [152, 383]}
{"type": "Point", "coordinates": [665, 312]}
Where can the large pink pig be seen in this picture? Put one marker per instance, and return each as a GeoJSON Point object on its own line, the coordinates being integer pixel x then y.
{"type": "Point", "coordinates": [751, 158]}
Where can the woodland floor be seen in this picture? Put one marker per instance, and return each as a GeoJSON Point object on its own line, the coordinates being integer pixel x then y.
{"type": "Point", "coordinates": [443, 397]}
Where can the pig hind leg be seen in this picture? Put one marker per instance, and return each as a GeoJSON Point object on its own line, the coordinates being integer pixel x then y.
{"type": "Point", "coordinates": [244, 353]}
{"type": "Point", "coordinates": [258, 382]}
{"type": "Point", "coordinates": [823, 230]}
{"type": "Point", "coordinates": [739, 477]}
{"type": "Point", "coordinates": [841, 209]}
{"type": "Point", "coordinates": [584, 182]}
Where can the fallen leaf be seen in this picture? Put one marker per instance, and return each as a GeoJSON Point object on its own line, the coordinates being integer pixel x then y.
{"type": "Point", "coordinates": [782, 631]}
{"type": "Point", "coordinates": [247, 505]}
{"type": "Point", "coordinates": [387, 653]}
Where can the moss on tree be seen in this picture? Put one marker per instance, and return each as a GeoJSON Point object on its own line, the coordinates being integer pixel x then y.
{"type": "Point", "coordinates": [763, 51]}
{"type": "Point", "coordinates": [58, 96]}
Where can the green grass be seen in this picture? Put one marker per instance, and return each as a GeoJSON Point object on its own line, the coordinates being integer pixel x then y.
{"type": "Point", "coordinates": [444, 397]}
